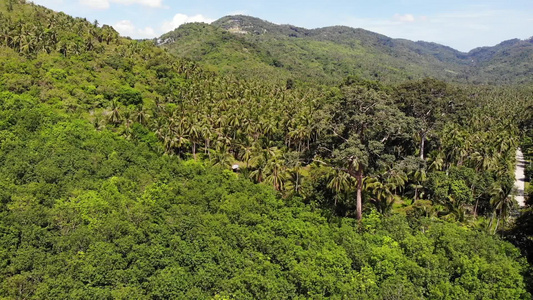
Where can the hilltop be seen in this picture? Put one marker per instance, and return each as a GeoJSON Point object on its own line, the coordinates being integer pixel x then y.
{"type": "Point", "coordinates": [243, 45]}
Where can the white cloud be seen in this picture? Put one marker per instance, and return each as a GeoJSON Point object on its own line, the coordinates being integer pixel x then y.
{"type": "Point", "coordinates": [407, 18]}
{"type": "Point", "coordinates": [463, 30]}
{"type": "Point", "coordinates": [127, 28]}
{"type": "Point", "coordinates": [180, 19]}
{"type": "Point", "coordinates": [104, 4]}
{"type": "Point", "coordinates": [148, 32]}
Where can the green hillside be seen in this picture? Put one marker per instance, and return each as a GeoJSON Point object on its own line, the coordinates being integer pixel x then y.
{"type": "Point", "coordinates": [117, 183]}
{"type": "Point", "coordinates": [332, 53]}
{"type": "Point", "coordinates": [212, 45]}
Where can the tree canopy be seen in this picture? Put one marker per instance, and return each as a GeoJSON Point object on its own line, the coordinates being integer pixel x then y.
{"type": "Point", "coordinates": [117, 183]}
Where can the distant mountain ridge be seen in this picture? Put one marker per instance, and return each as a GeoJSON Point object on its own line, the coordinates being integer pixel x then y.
{"type": "Point", "coordinates": [331, 53]}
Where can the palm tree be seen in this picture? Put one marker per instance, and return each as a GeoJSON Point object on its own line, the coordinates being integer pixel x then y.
{"type": "Point", "coordinates": [396, 179]}
{"type": "Point", "coordinates": [383, 195]}
{"type": "Point", "coordinates": [97, 122]}
{"type": "Point", "coordinates": [248, 152]}
{"type": "Point", "coordinates": [221, 157]}
{"type": "Point", "coordinates": [258, 174]}
{"type": "Point", "coordinates": [159, 126]}
{"type": "Point", "coordinates": [127, 123]}
{"type": "Point", "coordinates": [260, 160]}
{"type": "Point", "coordinates": [419, 177]}
{"type": "Point", "coordinates": [141, 116]}
{"type": "Point", "coordinates": [502, 204]}
{"type": "Point", "coordinates": [339, 182]}
{"type": "Point", "coordinates": [437, 161]}
{"type": "Point", "coordinates": [455, 210]}
{"type": "Point", "coordinates": [180, 138]}
{"type": "Point", "coordinates": [195, 134]}
{"type": "Point", "coordinates": [115, 116]}
{"type": "Point", "coordinates": [295, 181]}
{"type": "Point", "coordinates": [276, 174]}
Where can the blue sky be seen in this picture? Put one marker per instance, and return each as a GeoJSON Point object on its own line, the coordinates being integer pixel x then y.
{"type": "Point", "coordinates": [460, 24]}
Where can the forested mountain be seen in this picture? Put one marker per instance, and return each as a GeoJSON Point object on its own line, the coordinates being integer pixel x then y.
{"type": "Point", "coordinates": [116, 179]}
{"type": "Point", "coordinates": [332, 53]}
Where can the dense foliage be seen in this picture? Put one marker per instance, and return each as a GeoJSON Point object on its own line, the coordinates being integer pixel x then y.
{"type": "Point", "coordinates": [86, 214]}
{"type": "Point", "coordinates": [115, 160]}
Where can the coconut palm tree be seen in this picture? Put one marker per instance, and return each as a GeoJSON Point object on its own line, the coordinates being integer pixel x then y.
{"type": "Point", "coordinates": [339, 182]}
{"type": "Point", "coordinates": [418, 177]}
{"type": "Point", "coordinates": [195, 133]}
{"type": "Point", "coordinates": [115, 116]}
{"type": "Point", "coordinates": [221, 157]}
{"type": "Point", "coordinates": [276, 173]}
{"type": "Point", "coordinates": [141, 116]}
{"type": "Point", "coordinates": [502, 204]}
{"type": "Point", "coordinates": [383, 196]}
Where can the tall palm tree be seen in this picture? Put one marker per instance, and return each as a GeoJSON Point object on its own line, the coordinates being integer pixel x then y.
{"type": "Point", "coordinates": [502, 204]}
{"type": "Point", "coordinates": [295, 181]}
{"type": "Point", "coordinates": [127, 123]}
{"type": "Point", "coordinates": [248, 152]}
{"type": "Point", "coordinates": [339, 182]}
{"type": "Point", "coordinates": [195, 133]}
{"type": "Point", "coordinates": [418, 177]}
{"type": "Point", "coordinates": [276, 175]}
{"type": "Point", "coordinates": [383, 195]}
{"type": "Point", "coordinates": [115, 116]}
{"type": "Point", "coordinates": [437, 161]}
{"type": "Point", "coordinates": [141, 115]}
{"type": "Point", "coordinates": [221, 157]}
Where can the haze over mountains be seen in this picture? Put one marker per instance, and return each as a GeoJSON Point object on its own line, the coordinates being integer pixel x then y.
{"type": "Point", "coordinates": [249, 46]}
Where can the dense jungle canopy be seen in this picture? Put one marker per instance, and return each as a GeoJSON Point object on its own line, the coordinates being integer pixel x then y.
{"type": "Point", "coordinates": [116, 179]}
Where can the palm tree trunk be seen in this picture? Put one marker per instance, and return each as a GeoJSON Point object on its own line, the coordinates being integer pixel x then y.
{"type": "Point", "coordinates": [297, 181]}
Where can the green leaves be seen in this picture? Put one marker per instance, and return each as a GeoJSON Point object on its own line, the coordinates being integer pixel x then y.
{"type": "Point", "coordinates": [129, 96]}
{"type": "Point", "coordinates": [114, 220]}
{"type": "Point", "coordinates": [111, 208]}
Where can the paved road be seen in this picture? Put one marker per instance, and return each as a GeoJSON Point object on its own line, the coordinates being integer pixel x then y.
{"type": "Point", "coordinates": [520, 178]}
